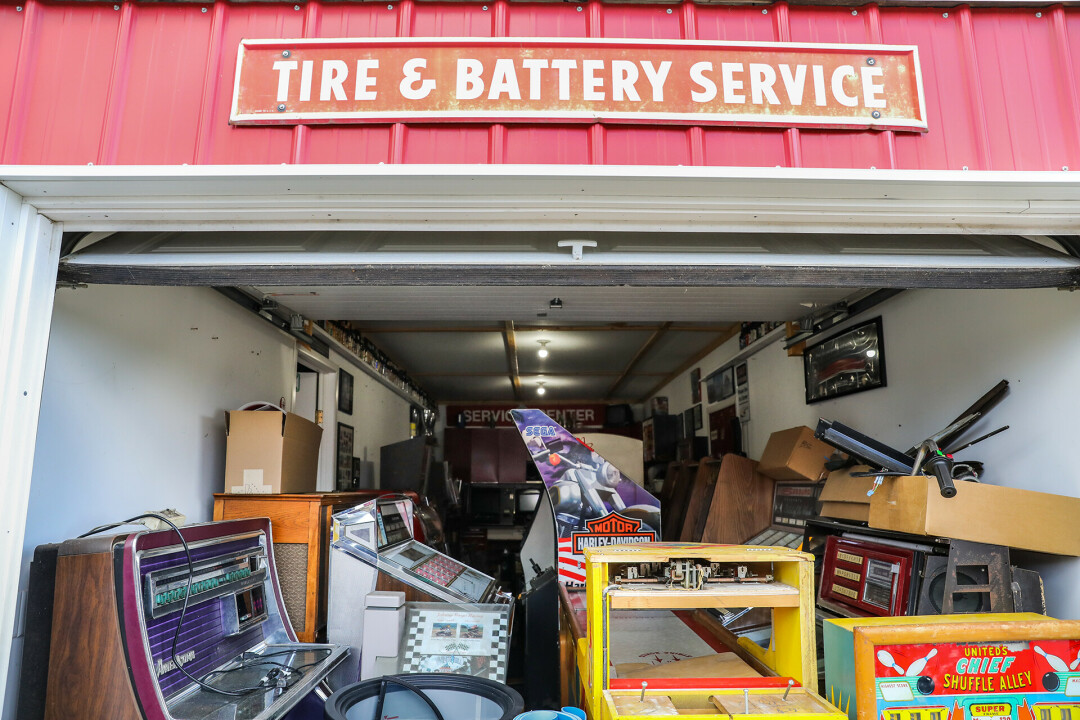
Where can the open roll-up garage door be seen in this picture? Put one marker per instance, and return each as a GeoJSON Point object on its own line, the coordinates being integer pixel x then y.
{"type": "Point", "coordinates": [599, 226]}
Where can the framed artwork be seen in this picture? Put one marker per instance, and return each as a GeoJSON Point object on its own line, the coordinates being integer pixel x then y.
{"type": "Point", "coordinates": [343, 476]}
{"type": "Point", "coordinates": [699, 421]}
{"type": "Point", "coordinates": [695, 385]}
{"type": "Point", "coordinates": [344, 392]}
{"type": "Point", "coordinates": [688, 422]}
{"type": "Point", "coordinates": [848, 362]}
{"type": "Point", "coordinates": [441, 638]}
{"type": "Point", "coordinates": [726, 383]}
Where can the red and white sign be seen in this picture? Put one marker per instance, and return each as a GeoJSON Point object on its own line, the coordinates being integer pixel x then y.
{"type": "Point", "coordinates": [579, 417]}
{"type": "Point", "coordinates": [587, 80]}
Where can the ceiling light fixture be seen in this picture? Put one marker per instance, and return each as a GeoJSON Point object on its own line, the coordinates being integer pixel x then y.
{"type": "Point", "coordinates": [540, 388]}
{"type": "Point", "coordinates": [543, 351]}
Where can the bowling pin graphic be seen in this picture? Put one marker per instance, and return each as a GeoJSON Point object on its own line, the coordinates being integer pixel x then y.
{"type": "Point", "coordinates": [916, 667]}
{"type": "Point", "coordinates": [1076, 662]}
{"type": "Point", "coordinates": [1056, 663]}
{"type": "Point", "coordinates": [886, 659]}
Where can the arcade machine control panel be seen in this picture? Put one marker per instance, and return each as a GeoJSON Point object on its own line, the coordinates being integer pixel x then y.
{"type": "Point", "coordinates": [374, 548]}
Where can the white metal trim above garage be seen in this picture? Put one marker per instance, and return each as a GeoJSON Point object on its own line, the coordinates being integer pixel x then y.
{"type": "Point", "coordinates": [648, 199]}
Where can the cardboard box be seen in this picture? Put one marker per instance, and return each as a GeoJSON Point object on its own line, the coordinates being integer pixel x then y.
{"type": "Point", "coordinates": [794, 454]}
{"type": "Point", "coordinates": [267, 452]}
{"type": "Point", "coordinates": [844, 497]}
{"type": "Point", "coordinates": [1021, 519]}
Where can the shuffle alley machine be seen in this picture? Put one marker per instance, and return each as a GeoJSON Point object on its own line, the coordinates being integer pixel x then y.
{"type": "Point", "coordinates": [374, 548]}
{"type": "Point", "coordinates": [141, 627]}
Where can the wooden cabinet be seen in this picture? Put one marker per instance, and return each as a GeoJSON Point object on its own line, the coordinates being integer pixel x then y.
{"type": "Point", "coordinates": [300, 524]}
{"type": "Point", "coordinates": [486, 455]}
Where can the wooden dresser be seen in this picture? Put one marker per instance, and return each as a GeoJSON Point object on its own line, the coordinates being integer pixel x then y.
{"type": "Point", "coordinates": [300, 524]}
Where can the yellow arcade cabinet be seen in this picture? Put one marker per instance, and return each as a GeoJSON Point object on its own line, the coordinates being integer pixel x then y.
{"type": "Point", "coordinates": [636, 588]}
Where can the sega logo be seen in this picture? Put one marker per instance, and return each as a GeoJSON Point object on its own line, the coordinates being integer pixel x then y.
{"type": "Point", "coordinates": [539, 431]}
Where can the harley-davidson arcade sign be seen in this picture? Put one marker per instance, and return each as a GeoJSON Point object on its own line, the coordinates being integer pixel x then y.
{"type": "Point", "coordinates": [530, 80]}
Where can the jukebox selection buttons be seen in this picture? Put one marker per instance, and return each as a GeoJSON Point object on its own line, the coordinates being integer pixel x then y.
{"type": "Point", "coordinates": [164, 598]}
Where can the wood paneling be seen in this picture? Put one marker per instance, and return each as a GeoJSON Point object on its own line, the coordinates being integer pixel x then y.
{"type": "Point", "coordinates": [697, 508]}
{"type": "Point", "coordinates": [741, 502]}
{"type": "Point", "coordinates": [87, 668]}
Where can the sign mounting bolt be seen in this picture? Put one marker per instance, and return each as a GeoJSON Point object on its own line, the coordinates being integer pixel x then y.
{"type": "Point", "coordinates": [18, 8]}
{"type": "Point", "coordinates": [669, 11]}
{"type": "Point", "coordinates": [281, 107]}
{"type": "Point", "coordinates": [764, 11]}
{"type": "Point", "coordinates": [876, 114]}
{"type": "Point", "coordinates": [1038, 14]}
{"type": "Point", "coordinates": [854, 12]}
{"type": "Point", "coordinates": [944, 15]}
{"type": "Point", "coordinates": [871, 61]}
{"type": "Point", "coordinates": [285, 53]}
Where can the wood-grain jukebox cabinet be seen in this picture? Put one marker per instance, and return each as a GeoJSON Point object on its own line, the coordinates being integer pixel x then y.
{"type": "Point", "coordinates": [301, 530]}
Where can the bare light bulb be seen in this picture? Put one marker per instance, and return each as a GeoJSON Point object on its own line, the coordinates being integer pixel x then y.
{"type": "Point", "coordinates": [542, 352]}
{"type": "Point", "coordinates": [540, 390]}
{"type": "Point", "coordinates": [871, 353]}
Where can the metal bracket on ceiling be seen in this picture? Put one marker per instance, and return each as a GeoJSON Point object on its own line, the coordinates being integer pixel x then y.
{"type": "Point", "coordinates": [826, 318]}
{"type": "Point", "coordinates": [576, 246]}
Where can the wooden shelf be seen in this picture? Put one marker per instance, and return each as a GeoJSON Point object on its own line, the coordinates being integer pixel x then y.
{"type": "Point", "coordinates": [727, 595]}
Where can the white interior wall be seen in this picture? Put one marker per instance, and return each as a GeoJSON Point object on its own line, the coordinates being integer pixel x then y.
{"type": "Point", "coordinates": [132, 413]}
{"type": "Point", "coordinates": [678, 390]}
{"type": "Point", "coordinates": [379, 417]}
{"type": "Point", "coordinates": [943, 350]}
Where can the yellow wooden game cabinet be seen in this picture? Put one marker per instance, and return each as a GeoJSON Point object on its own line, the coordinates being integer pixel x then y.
{"type": "Point", "coordinates": [640, 597]}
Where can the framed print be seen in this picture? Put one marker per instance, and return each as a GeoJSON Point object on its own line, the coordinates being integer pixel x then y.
{"type": "Point", "coordinates": [344, 392]}
{"type": "Point", "coordinates": [464, 640]}
{"type": "Point", "coordinates": [688, 422]}
{"type": "Point", "coordinates": [848, 362]}
{"type": "Point", "coordinates": [699, 421]}
{"type": "Point", "coordinates": [695, 385]}
{"type": "Point", "coordinates": [727, 383]}
{"type": "Point", "coordinates": [343, 476]}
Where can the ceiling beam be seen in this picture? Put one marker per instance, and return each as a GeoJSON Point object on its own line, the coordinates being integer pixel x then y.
{"type": "Point", "coordinates": [512, 357]}
{"type": "Point", "coordinates": [546, 373]}
{"type": "Point", "coordinates": [641, 353]}
{"type": "Point", "coordinates": [611, 327]}
{"type": "Point", "coordinates": [719, 340]}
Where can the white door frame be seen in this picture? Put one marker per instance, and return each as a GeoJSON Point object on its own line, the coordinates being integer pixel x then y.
{"type": "Point", "coordinates": [37, 202]}
{"type": "Point", "coordinates": [328, 378]}
{"type": "Point", "coordinates": [29, 253]}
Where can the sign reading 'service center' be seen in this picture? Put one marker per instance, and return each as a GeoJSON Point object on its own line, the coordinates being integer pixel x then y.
{"type": "Point", "coordinates": [530, 80]}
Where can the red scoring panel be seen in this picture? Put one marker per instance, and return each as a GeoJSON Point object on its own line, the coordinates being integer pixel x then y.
{"type": "Point", "coordinates": [439, 569]}
{"type": "Point", "coordinates": [867, 578]}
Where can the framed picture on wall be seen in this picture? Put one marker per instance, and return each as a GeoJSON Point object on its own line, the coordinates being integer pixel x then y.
{"type": "Point", "coordinates": [699, 421]}
{"type": "Point", "coordinates": [688, 422]}
{"type": "Point", "coordinates": [849, 362]}
{"type": "Point", "coordinates": [727, 383]}
{"type": "Point", "coordinates": [344, 392]}
{"type": "Point", "coordinates": [343, 475]}
{"type": "Point", "coordinates": [695, 385]}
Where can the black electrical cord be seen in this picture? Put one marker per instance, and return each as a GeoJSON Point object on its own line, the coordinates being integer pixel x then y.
{"type": "Point", "coordinates": [407, 685]}
{"type": "Point", "coordinates": [239, 692]}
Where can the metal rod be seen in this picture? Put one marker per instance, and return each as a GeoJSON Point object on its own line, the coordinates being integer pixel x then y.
{"type": "Point", "coordinates": [746, 702]}
{"type": "Point", "coordinates": [990, 434]}
{"type": "Point", "coordinates": [790, 683]}
{"type": "Point", "coordinates": [643, 686]}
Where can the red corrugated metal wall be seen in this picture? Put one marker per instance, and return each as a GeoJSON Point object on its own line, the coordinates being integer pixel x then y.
{"type": "Point", "coordinates": [151, 84]}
